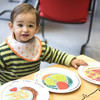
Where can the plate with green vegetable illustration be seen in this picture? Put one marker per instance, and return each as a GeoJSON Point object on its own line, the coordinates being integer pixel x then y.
{"type": "Point", "coordinates": [58, 80]}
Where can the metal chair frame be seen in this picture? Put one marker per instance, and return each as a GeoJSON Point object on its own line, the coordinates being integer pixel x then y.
{"type": "Point", "coordinates": [90, 28]}
{"type": "Point", "coordinates": [7, 11]}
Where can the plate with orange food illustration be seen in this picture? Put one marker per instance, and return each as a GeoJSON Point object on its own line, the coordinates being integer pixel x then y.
{"type": "Point", "coordinates": [90, 73]}
{"type": "Point", "coordinates": [58, 80]}
{"type": "Point", "coordinates": [23, 90]}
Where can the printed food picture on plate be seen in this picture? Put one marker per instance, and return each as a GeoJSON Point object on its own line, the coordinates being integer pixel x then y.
{"type": "Point", "coordinates": [93, 73]}
{"type": "Point", "coordinates": [20, 93]}
{"type": "Point", "coordinates": [57, 81]}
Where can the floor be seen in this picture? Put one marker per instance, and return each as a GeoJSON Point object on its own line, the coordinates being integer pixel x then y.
{"type": "Point", "coordinates": [65, 37]}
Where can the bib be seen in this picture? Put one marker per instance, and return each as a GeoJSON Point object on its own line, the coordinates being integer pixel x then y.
{"type": "Point", "coordinates": [29, 51]}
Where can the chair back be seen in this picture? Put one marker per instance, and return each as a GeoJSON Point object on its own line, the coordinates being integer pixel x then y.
{"type": "Point", "coordinates": [66, 11]}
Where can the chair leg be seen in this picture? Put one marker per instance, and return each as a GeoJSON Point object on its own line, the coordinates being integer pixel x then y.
{"type": "Point", "coordinates": [43, 31]}
{"type": "Point", "coordinates": [90, 27]}
{"type": "Point", "coordinates": [3, 13]}
{"type": "Point", "coordinates": [90, 6]}
{"type": "Point", "coordinates": [23, 1]}
{"type": "Point", "coordinates": [13, 1]}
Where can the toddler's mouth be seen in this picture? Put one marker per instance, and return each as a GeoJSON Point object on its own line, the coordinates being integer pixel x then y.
{"type": "Point", "coordinates": [25, 35]}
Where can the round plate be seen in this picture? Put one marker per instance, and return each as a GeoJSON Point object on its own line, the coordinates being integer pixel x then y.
{"type": "Point", "coordinates": [90, 73]}
{"type": "Point", "coordinates": [58, 80]}
{"type": "Point", "coordinates": [13, 90]}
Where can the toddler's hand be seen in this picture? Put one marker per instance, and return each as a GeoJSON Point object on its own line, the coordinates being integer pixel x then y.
{"type": "Point", "coordinates": [77, 62]}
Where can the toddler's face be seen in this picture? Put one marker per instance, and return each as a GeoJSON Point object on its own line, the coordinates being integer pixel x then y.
{"type": "Point", "coordinates": [24, 27]}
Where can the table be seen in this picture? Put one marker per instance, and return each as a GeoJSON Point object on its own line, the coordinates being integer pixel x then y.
{"type": "Point", "coordinates": [87, 91]}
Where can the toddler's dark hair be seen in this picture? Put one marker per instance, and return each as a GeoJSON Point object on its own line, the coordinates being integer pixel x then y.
{"type": "Point", "coordinates": [22, 9]}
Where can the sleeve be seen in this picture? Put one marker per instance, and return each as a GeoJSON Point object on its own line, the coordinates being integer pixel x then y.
{"type": "Point", "coordinates": [1, 63]}
{"type": "Point", "coordinates": [1, 68]}
{"type": "Point", "coordinates": [51, 55]}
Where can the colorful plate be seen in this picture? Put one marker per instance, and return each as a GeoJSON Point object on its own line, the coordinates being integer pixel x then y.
{"type": "Point", "coordinates": [90, 73]}
{"type": "Point", "coordinates": [58, 80]}
{"type": "Point", "coordinates": [23, 90]}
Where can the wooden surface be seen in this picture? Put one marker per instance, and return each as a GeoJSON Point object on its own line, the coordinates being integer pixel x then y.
{"type": "Point", "coordinates": [87, 91]}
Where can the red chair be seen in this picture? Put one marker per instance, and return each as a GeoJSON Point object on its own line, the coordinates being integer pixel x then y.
{"type": "Point", "coordinates": [66, 11]}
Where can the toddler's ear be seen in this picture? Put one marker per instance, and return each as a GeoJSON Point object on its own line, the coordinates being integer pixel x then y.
{"type": "Point", "coordinates": [10, 26]}
{"type": "Point", "coordinates": [37, 28]}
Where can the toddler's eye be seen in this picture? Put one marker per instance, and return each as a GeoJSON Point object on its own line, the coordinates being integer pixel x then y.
{"type": "Point", "coordinates": [30, 25]}
{"type": "Point", "coordinates": [20, 25]}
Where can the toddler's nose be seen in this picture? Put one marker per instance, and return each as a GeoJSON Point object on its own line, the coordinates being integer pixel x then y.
{"type": "Point", "coordinates": [25, 29]}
